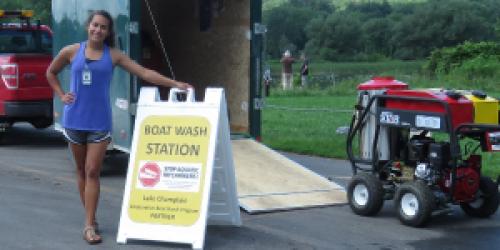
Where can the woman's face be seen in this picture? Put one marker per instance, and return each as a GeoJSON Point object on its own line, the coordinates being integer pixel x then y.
{"type": "Point", "coordinates": [98, 29]}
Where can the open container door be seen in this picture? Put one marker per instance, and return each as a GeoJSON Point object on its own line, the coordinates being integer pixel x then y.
{"type": "Point", "coordinates": [208, 44]}
{"type": "Point", "coordinates": [69, 26]}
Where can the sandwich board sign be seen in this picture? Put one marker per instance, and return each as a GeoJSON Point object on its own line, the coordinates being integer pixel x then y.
{"type": "Point", "coordinates": [181, 173]}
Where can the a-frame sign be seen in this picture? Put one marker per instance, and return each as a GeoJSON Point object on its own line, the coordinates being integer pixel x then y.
{"type": "Point", "coordinates": [181, 174]}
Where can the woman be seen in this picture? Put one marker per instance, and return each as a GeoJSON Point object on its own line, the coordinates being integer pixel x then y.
{"type": "Point", "coordinates": [87, 110]}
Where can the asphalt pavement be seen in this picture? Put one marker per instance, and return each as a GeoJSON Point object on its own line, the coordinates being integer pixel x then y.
{"type": "Point", "coordinates": [40, 209]}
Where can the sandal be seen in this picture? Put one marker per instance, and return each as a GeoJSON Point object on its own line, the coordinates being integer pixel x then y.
{"type": "Point", "coordinates": [96, 227]}
{"type": "Point", "coordinates": [90, 235]}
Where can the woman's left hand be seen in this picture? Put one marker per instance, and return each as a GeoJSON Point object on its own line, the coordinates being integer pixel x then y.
{"type": "Point", "coordinates": [183, 85]}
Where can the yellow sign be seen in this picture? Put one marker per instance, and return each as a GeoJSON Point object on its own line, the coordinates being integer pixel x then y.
{"type": "Point", "coordinates": [169, 170]}
{"type": "Point", "coordinates": [181, 173]}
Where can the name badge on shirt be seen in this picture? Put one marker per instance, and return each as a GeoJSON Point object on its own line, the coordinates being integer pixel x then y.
{"type": "Point", "coordinates": [86, 77]}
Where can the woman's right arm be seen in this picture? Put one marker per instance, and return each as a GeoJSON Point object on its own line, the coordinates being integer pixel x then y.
{"type": "Point", "coordinates": [58, 63]}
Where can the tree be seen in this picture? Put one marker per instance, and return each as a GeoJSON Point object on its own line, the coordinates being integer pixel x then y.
{"type": "Point", "coordinates": [403, 30]}
{"type": "Point", "coordinates": [439, 24]}
{"type": "Point", "coordinates": [313, 29]}
{"type": "Point", "coordinates": [324, 6]}
{"type": "Point", "coordinates": [42, 8]}
{"type": "Point", "coordinates": [376, 35]}
{"type": "Point", "coordinates": [370, 9]}
{"type": "Point", "coordinates": [337, 37]}
{"type": "Point", "coordinates": [289, 21]}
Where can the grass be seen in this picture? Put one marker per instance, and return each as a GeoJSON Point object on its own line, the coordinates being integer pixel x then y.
{"type": "Point", "coordinates": [491, 165]}
{"type": "Point", "coordinates": [318, 67]}
{"type": "Point", "coordinates": [332, 75]}
{"type": "Point", "coordinates": [269, 4]}
{"type": "Point", "coordinates": [305, 120]}
{"type": "Point", "coordinates": [307, 124]}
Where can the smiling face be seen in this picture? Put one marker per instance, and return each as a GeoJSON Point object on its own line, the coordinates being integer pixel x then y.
{"type": "Point", "coordinates": [98, 29]}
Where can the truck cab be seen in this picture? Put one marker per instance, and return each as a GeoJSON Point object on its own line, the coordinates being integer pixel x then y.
{"type": "Point", "coordinates": [25, 54]}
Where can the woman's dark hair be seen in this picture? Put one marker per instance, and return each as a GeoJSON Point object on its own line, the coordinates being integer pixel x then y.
{"type": "Point", "coordinates": [110, 40]}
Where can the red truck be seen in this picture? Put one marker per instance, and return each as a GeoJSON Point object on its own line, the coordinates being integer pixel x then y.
{"type": "Point", "coordinates": [25, 53]}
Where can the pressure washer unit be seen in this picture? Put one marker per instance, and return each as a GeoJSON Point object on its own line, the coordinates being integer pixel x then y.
{"type": "Point", "coordinates": [422, 149]}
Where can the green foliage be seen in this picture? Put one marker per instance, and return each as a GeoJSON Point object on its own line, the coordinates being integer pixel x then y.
{"type": "Point", "coordinates": [42, 8]}
{"type": "Point", "coordinates": [341, 4]}
{"type": "Point", "coordinates": [304, 120]}
{"type": "Point", "coordinates": [306, 124]}
{"type": "Point", "coordinates": [376, 33]}
{"type": "Point", "coordinates": [271, 4]}
{"type": "Point", "coordinates": [479, 67]}
{"type": "Point", "coordinates": [327, 33]}
{"type": "Point", "coordinates": [443, 61]}
{"type": "Point", "coordinates": [297, 81]}
{"type": "Point", "coordinates": [356, 30]}
{"type": "Point", "coordinates": [438, 24]}
{"type": "Point", "coordinates": [343, 77]}
{"type": "Point", "coordinates": [370, 9]}
{"type": "Point", "coordinates": [286, 25]}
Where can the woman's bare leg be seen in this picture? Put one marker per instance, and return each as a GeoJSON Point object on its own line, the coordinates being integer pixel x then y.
{"type": "Point", "coordinates": [79, 154]}
{"type": "Point", "coordinates": [93, 162]}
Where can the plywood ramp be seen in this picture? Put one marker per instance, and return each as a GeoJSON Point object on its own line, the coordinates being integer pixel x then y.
{"type": "Point", "coordinates": [268, 181]}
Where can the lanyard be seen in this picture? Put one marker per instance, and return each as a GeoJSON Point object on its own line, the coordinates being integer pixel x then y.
{"type": "Point", "coordinates": [86, 75]}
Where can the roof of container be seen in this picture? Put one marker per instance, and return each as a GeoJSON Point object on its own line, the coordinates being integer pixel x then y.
{"type": "Point", "coordinates": [382, 82]}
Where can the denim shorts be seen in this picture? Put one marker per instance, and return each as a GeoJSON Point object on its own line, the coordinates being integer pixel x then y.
{"type": "Point", "coordinates": [83, 137]}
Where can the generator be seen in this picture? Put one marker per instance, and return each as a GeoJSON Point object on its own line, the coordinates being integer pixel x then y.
{"type": "Point", "coordinates": [421, 148]}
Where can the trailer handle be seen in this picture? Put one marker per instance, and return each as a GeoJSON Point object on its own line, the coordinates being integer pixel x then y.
{"type": "Point", "coordinates": [173, 95]}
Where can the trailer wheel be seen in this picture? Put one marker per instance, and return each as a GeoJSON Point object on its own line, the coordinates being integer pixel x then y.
{"type": "Point", "coordinates": [42, 123]}
{"type": "Point", "coordinates": [415, 203]}
{"type": "Point", "coordinates": [365, 194]}
{"type": "Point", "coordinates": [487, 202]}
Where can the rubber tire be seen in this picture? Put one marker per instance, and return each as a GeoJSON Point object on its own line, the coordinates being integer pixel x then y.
{"type": "Point", "coordinates": [490, 203]}
{"type": "Point", "coordinates": [375, 194]}
{"type": "Point", "coordinates": [42, 123]}
{"type": "Point", "coordinates": [426, 203]}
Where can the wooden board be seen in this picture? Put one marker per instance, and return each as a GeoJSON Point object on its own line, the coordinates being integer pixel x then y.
{"type": "Point", "coordinates": [268, 203]}
{"type": "Point", "coordinates": [268, 181]}
{"type": "Point", "coordinates": [218, 57]}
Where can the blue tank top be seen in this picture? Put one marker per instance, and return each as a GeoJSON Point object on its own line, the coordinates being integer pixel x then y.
{"type": "Point", "coordinates": [91, 109]}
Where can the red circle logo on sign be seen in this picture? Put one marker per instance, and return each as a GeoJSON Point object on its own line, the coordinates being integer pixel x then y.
{"type": "Point", "coordinates": [149, 174]}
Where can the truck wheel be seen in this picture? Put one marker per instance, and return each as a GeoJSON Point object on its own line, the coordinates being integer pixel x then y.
{"type": "Point", "coordinates": [487, 201]}
{"type": "Point", "coordinates": [415, 203]}
{"type": "Point", "coordinates": [4, 129]}
{"type": "Point", "coordinates": [41, 123]}
{"type": "Point", "coordinates": [365, 194]}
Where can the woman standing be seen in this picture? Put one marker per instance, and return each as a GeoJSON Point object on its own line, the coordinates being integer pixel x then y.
{"type": "Point", "coordinates": [87, 111]}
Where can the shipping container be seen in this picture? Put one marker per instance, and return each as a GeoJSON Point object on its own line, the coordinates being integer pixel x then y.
{"type": "Point", "coordinates": [208, 43]}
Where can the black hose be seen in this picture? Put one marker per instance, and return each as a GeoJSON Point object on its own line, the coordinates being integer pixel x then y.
{"type": "Point", "coordinates": [353, 129]}
{"type": "Point", "coordinates": [374, 147]}
{"type": "Point", "coordinates": [349, 147]}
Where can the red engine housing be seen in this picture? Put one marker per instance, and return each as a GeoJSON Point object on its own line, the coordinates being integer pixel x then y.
{"type": "Point", "coordinates": [461, 109]}
{"type": "Point", "coordinates": [467, 180]}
